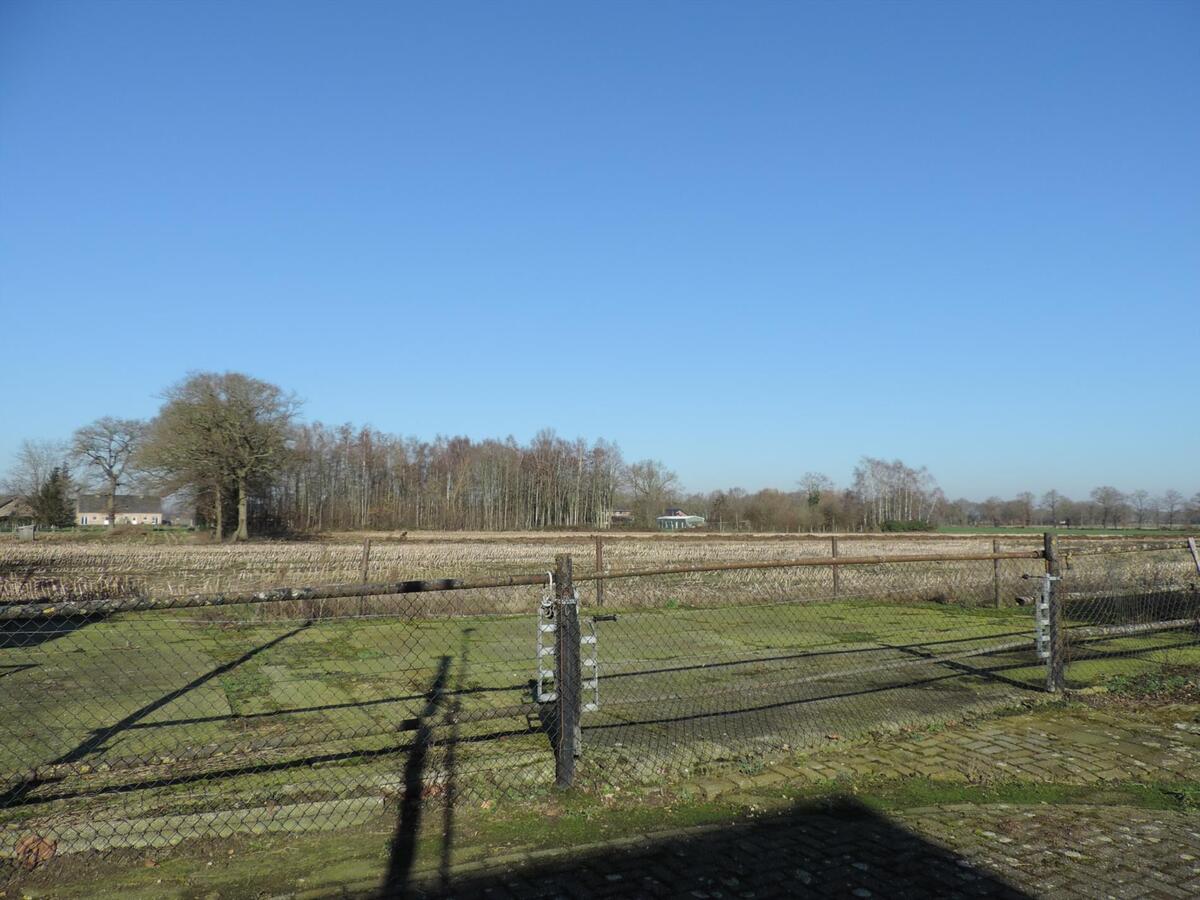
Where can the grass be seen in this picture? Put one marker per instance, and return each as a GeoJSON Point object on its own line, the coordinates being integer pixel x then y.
{"type": "Point", "coordinates": [682, 688]}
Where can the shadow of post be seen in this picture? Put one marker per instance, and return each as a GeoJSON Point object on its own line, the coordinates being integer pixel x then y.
{"type": "Point", "coordinates": [450, 797]}
{"type": "Point", "coordinates": [404, 843]}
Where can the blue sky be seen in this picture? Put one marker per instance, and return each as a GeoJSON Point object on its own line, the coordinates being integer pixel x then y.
{"type": "Point", "coordinates": [748, 239]}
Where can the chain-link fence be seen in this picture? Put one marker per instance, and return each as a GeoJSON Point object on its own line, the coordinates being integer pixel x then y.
{"type": "Point", "coordinates": [148, 719]}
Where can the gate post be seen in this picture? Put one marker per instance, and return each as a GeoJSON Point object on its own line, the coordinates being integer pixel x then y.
{"type": "Point", "coordinates": [1056, 667]}
{"type": "Point", "coordinates": [568, 674]}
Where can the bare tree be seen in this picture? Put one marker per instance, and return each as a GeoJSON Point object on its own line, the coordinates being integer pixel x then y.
{"type": "Point", "coordinates": [1110, 502]}
{"type": "Point", "coordinates": [1025, 505]}
{"type": "Point", "coordinates": [652, 484]}
{"type": "Point", "coordinates": [224, 432]}
{"type": "Point", "coordinates": [1051, 500]}
{"type": "Point", "coordinates": [32, 467]}
{"type": "Point", "coordinates": [1170, 503]}
{"type": "Point", "coordinates": [1142, 505]}
{"type": "Point", "coordinates": [106, 446]}
{"type": "Point", "coordinates": [892, 491]}
{"type": "Point", "coordinates": [815, 487]}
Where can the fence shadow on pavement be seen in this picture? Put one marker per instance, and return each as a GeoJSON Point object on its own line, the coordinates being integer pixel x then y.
{"type": "Point", "coordinates": [834, 848]}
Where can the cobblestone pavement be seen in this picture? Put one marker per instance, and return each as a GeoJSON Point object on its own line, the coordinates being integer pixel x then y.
{"type": "Point", "coordinates": [848, 851]}
{"type": "Point", "coordinates": [1077, 745]}
{"type": "Point", "coordinates": [844, 849]}
{"type": "Point", "coordinates": [1074, 851]}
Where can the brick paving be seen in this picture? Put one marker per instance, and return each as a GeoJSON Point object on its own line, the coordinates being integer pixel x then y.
{"type": "Point", "coordinates": [849, 851]}
{"type": "Point", "coordinates": [1077, 745]}
{"type": "Point", "coordinates": [843, 849]}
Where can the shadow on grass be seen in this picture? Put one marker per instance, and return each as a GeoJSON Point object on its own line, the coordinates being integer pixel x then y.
{"type": "Point", "coordinates": [27, 791]}
{"type": "Point", "coordinates": [98, 738]}
{"type": "Point", "coordinates": [837, 848]}
{"type": "Point", "coordinates": [22, 634]}
{"type": "Point", "coordinates": [416, 790]}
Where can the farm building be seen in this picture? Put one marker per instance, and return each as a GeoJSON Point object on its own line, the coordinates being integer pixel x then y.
{"type": "Point", "coordinates": [92, 509]}
{"type": "Point", "coordinates": [676, 520]}
{"type": "Point", "coordinates": [619, 517]}
{"type": "Point", "coordinates": [14, 511]}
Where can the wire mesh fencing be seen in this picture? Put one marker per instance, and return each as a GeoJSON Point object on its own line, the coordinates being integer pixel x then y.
{"type": "Point", "coordinates": [145, 719]}
{"type": "Point", "coordinates": [1127, 611]}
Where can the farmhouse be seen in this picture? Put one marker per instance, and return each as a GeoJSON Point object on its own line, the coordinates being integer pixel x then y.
{"type": "Point", "coordinates": [676, 519]}
{"type": "Point", "coordinates": [14, 511]}
{"type": "Point", "coordinates": [92, 509]}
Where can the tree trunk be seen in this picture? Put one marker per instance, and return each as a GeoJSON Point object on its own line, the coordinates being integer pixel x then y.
{"type": "Point", "coordinates": [243, 526]}
{"type": "Point", "coordinates": [112, 501]}
{"type": "Point", "coordinates": [219, 512]}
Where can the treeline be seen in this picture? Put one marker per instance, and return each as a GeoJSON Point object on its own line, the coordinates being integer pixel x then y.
{"type": "Point", "coordinates": [230, 450]}
{"type": "Point", "coordinates": [347, 478]}
{"type": "Point", "coordinates": [1104, 507]}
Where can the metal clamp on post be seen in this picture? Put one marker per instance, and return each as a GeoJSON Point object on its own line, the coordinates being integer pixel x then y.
{"type": "Point", "coordinates": [544, 661]}
{"type": "Point", "coordinates": [591, 661]}
{"type": "Point", "coordinates": [1041, 617]}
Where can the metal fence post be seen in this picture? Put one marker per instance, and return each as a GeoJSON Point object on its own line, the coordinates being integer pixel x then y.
{"type": "Point", "coordinates": [1056, 668]}
{"type": "Point", "coordinates": [568, 673]}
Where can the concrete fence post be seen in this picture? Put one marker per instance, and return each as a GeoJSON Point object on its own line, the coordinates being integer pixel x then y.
{"type": "Point", "coordinates": [1056, 669]}
{"type": "Point", "coordinates": [568, 673]}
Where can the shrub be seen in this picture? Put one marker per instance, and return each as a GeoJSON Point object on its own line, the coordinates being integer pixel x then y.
{"type": "Point", "coordinates": [907, 525]}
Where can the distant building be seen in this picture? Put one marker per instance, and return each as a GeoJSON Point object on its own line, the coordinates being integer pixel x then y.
{"type": "Point", "coordinates": [92, 509]}
{"type": "Point", "coordinates": [676, 519]}
{"type": "Point", "coordinates": [619, 517]}
{"type": "Point", "coordinates": [14, 511]}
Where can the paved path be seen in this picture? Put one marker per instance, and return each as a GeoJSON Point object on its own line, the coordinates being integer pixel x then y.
{"type": "Point", "coordinates": [848, 851]}
{"type": "Point", "coordinates": [843, 849]}
{"type": "Point", "coordinates": [1075, 746]}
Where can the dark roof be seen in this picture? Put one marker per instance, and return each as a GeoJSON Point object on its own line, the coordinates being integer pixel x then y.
{"type": "Point", "coordinates": [126, 503]}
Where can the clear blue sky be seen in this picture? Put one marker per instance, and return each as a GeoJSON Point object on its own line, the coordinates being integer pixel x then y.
{"type": "Point", "coordinates": [748, 239]}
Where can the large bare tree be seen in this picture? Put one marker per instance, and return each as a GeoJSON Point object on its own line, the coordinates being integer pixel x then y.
{"type": "Point", "coordinates": [223, 433]}
{"type": "Point", "coordinates": [652, 485]}
{"type": "Point", "coordinates": [106, 447]}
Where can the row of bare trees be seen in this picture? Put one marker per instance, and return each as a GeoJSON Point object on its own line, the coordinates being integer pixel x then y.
{"type": "Point", "coordinates": [346, 478]}
{"type": "Point", "coordinates": [230, 447]}
{"type": "Point", "coordinates": [1105, 507]}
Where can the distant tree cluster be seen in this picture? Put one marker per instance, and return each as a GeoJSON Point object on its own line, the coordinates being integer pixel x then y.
{"type": "Point", "coordinates": [348, 478]}
{"type": "Point", "coordinates": [230, 447]}
{"type": "Point", "coordinates": [1105, 507]}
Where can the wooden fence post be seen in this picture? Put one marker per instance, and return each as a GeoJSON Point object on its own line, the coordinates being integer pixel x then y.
{"type": "Point", "coordinates": [996, 575]}
{"type": "Point", "coordinates": [1056, 671]}
{"type": "Point", "coordinates": [366, 564]}
{"type": "Point", "coordinates": [837, 576]}
{"type": "Point", "coordinates": [600, 570]}
{"type": "Point", "coordinates": [568, 673]}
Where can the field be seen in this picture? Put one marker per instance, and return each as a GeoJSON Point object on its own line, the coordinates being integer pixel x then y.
{"type": "Point", "coordinates": [160, 726]}
{"type": "Point", "coordinates": [61, 566]}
